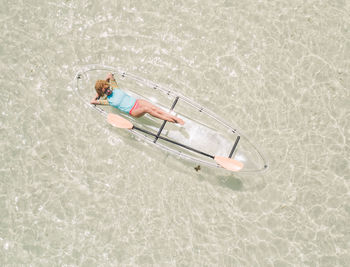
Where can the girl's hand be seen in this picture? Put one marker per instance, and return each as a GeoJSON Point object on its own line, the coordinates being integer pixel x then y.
{"type": "Point", "coordinates": [95, 100]}
{"type": "Point", "coordinates": [109, 77]}
{"type": "Point", "coordinates": [96, 97]}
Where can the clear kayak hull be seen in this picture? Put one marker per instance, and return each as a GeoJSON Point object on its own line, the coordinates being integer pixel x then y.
{"type": "Point", "coordinates": [203, 131]}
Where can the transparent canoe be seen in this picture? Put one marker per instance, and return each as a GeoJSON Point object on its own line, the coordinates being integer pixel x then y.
{"type": "Point", "coordinates": [203, 131]}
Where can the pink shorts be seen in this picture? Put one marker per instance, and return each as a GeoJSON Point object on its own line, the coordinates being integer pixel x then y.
{"type": "Point", "coordinates": [136, 105]}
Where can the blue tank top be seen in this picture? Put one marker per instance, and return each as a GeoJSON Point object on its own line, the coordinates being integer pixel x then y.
{"type": "Point", "coordinates": [121, 100]}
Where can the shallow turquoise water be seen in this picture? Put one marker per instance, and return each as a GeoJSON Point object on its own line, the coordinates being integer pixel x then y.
{"type": "Point", "coordinates": [76, 192]}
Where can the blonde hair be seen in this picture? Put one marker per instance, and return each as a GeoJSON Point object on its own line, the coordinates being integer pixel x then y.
{"type": "Point", "coordinates": [99, 86]}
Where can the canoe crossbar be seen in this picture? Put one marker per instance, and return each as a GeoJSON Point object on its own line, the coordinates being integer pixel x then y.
{"type": "Point", "coordinates": [164, 122]}
{"type": "Point", "coordinates": [234, 146]}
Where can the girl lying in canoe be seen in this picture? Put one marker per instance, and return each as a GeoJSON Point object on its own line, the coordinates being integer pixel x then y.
{"type": "Point", "coordinates": [122, 101]}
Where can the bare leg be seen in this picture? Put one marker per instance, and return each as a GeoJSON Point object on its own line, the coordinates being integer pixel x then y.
{"type": "Point", "coordinates": [146, 107]}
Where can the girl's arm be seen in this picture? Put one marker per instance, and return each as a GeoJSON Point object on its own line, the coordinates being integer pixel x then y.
{"type": "Point", "coordinates": [99, 102]}
{"type": "Point", "coordinates": [96, 101]}
{"type": "Point", "coordinates": [111, 80]}
{"type": "Point", "coordinates": [113, 83]}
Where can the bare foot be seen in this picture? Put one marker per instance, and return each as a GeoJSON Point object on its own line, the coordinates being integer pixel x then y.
{"type": "Point", "coordinates": [179, 121]}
